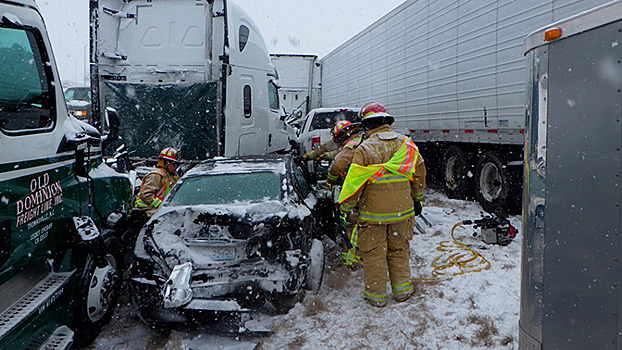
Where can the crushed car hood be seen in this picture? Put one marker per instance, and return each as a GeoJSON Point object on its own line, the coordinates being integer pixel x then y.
{"type": "Point", "coordinates": [213, 235]}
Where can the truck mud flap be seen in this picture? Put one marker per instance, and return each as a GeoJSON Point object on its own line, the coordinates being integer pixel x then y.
{"type": "Point", "coordinates": [61, 339]}
{"type": "Point", "coordinates": [30, 303]}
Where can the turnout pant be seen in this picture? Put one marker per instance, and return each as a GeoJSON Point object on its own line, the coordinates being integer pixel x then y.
{"type": "Point", "coordinates": [386, 247]}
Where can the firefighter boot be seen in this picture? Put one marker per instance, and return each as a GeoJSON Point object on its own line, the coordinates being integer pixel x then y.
{"type": "Point", "coordinates": [402, 296]}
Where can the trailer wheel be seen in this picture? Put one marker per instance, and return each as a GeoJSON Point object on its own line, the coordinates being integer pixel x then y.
{"type": "Point", "coordinates": [457, 183]}
{"type": "Point", "coordinates": [493, 185]}
{"type": "Point", "coordinates": [97, 294]}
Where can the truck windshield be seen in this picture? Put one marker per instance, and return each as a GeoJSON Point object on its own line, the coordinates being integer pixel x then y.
{"type": "Point", "coordinates": [326, 120]}
{"type": "Point", "coordinates": [228, 188]}
{"type": "Point", "coordinates": [25, 102]}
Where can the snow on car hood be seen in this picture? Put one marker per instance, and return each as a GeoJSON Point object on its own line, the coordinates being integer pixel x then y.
{"type": "Point", "coordinates": [254, 212]}
{"type": "Point", "coordinates": [171, 227]}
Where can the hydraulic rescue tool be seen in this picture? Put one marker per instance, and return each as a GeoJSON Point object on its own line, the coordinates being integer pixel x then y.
{"type": "Point", "coordinates": [494, 229]}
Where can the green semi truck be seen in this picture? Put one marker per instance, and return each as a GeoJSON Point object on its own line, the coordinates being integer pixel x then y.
{"type": "Point", "coordinates": [60, 205]}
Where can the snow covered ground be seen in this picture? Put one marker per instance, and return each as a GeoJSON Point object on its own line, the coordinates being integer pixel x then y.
{"type": "Point", "coordinates": [477, 310]}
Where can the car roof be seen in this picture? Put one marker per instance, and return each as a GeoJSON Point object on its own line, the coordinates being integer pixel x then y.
{"type": "Point", "coordinates": [243, 164]}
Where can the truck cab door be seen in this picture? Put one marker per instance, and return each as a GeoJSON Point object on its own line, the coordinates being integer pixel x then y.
{"type": "Point", "coordinates": [278, 138]}
{"type": "Point", "coordinates": [252, 126]}
{"type": "Point", "coordinates": [39, 193]}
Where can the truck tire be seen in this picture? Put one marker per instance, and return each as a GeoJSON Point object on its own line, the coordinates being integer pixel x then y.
{"type": "Point", "coordinates": [456, 181]}
{"type": "Point", "coordinates": [97, 294]}
{"type": "Point", "coordinates": [493, 184]}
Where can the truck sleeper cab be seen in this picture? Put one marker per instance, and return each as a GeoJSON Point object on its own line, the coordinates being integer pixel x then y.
{"type": "Point", "coordinates": [194, 75]}
{"type": "Point", "coordinates": [54, 291]}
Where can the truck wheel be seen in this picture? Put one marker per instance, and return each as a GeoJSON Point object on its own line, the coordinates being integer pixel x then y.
{"type": "Point", "coordinates": [97, 294]}
{"type": "Point", "coordinates": [315, 274]}
{"type": "Point", "coordinates": [456, 181]}
{"type": "Point", "coordinates": [493, 185]}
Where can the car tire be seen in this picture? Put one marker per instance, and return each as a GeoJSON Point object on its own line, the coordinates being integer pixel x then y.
{"type": "Point", "coordinates": [97, 294]}
{"type": "Point", "coordinates": [456, 181]}
{"type": "Point", "coordinates": [315, 274]}
{"type": "Point", "coordinates": [493, 183]}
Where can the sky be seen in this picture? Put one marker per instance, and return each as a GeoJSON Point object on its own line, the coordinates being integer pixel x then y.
{"type": "Point", "coordinates": [288, 26]}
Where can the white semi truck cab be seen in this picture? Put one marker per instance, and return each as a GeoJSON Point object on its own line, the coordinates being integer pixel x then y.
{"type": "Point", "coordinates": [194, 75]}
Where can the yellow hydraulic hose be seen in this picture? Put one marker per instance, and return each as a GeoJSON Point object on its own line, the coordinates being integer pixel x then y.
{"type": "Point", "coordinates": [457, 258]}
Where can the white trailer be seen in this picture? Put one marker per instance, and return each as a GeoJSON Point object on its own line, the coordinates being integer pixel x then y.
{"type": "Point", "coordinates": [299, 81]}
{"type": "Point", "coordinates": [453, 75]}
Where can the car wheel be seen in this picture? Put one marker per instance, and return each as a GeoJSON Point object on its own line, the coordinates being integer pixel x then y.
{"type": "Point", "coordinates": [493, 184]}
{"type": "Point", "coordinates": [97, 294]}
{"type": "Point", "coordinates": [456, 180]}
{"type": "Point", "coordinates": [315, 274]}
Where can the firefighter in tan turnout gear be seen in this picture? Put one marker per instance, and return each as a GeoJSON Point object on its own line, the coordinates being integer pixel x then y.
{"type": "Point", "coordinates": [158, 183]}
{"type": "Point", "coordinates": [346, 134]}
{"type": "Point", "coordinates": [327, 150]}
{"type": "Point", "coordinates": [385, 185]}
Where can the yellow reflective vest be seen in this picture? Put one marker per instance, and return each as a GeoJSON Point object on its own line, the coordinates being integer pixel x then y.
{"type": "Point", "coordinates": [384, 192]}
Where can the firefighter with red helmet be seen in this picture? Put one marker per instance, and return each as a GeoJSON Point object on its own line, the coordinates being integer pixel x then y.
{"type": "Point", "coordinates": [158, 183]}
{"type": "Point", "coordinates": [385, 186]}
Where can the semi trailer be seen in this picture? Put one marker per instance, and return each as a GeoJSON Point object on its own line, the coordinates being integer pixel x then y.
{"type": "Point", "coordinates": [453, 75]}
{"type": "Point", "coordinates": [299, 82]}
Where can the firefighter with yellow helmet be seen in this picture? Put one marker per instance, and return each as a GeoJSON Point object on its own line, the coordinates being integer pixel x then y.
{"type": "Point", "coordinates": [158, 183]}
{"type": "Point", "coordinates": [385, 186]}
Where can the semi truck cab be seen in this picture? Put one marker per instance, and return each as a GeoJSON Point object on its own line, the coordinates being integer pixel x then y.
{"type": "Point", "coordinates": [56, 287]}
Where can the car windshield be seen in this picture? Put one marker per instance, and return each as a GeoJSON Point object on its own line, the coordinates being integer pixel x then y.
{"type": "Point", "coordinates": [326, 120]}
{"type": "Point", "coordinates": [78, 94]}
{"type": "Point", "coordinates": [228, 188]}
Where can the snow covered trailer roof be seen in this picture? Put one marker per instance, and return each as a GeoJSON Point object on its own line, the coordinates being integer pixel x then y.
{"type": "Point", "coordinates": [571, 274]}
